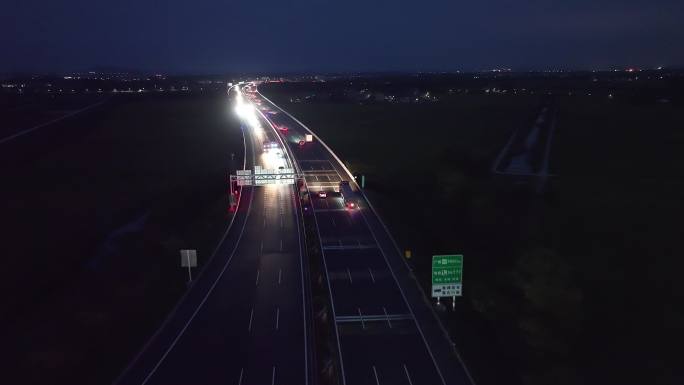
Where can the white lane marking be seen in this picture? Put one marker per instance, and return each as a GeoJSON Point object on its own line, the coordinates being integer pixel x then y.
{"type": "Point", "coordinates": [351, 177]}
{"type": "Point", "coordinates": [363, 325]}
{"type": "Point", "coordinates": [401, 290]}
{"type": "Point", "coordinates": [280, 275]}
{"type": "Point", "coordinates": [375, 372]}
{"type": "Point", "coordinates": [251, 317]}
{"type": "Point", "coordinates": [386, 316]}
{"type": "Point", "coordinates": [264, 222]}
{"type": "Point", "coordinates": [211, 289]}
{"type": "Point", "coordinates": [281, 245]}
{"type": "Point", "coordinates": [242, 372]}
{"type": "Point", "coordinates": [332, 304]}
{"type": "Point", "coordinates": [407, 375]}
{"type": "Point", "coordinates": [349, 274]}
{"type": "Point", "coordinates": [273, 376]}
{"type": "Point", "coordinates": [257, 278]}
{"type": "Point", "coordinates": [301, 265]}
{"type": "Point", "coordinates": [282, 224]}
{"type": "Point", "coordinates": [277, 317]}
{"type": "Point", "coordinates": [29, 130]}
{"type": "Point", "coordinates": [262, 247]}
{"type": "Point", "coordinates": [333, 222]}
{"type": "Point", "coordinates": [371, 274]}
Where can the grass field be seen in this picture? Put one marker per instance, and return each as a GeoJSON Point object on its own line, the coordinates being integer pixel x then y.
{"type": "Point", "coordinates": [94, 223]}
{"type": "Point", "coordinates": [30, 109]}
{"type": "Point", "coordinates": [575, 286]}
{"type": "Point", "coordinates": [599, 137]}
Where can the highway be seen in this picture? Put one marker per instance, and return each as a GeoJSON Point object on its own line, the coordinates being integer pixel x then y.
{"type": "Point", "coordinates": [387, 332]}
{"type": "Point", "coordinates": [246, 318]}
{"type": "Point", "coordinates": [243, 321]}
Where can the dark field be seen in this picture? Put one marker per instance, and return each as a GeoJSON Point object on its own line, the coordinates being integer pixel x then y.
{"type": "Point", "coordinates": [95, 209]}
{"type": "Point", "coordinates": [575, 285]}
{"type": "Point", "coordinates": [20, 112]}
{"type": "Point", "coordinates": [598, 137]}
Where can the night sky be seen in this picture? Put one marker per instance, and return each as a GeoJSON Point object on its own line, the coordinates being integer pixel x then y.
{"type": "Point", "coordinates": [350, 35]}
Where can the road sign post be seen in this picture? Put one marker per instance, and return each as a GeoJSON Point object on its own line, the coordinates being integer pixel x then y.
{"type": "Point", "coordinates": [447, 274]}
{"type": "Point", "coordinates": [189, 259]}
{"type": "Point", "coordinates": [232, 201]}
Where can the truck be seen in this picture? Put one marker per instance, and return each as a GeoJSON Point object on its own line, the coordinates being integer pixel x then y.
{"type": "Point", "coordinates": [348, 195]}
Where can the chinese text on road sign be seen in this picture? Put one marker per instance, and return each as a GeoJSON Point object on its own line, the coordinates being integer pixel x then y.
{"type": "Point", "coordinates": [447, 272]}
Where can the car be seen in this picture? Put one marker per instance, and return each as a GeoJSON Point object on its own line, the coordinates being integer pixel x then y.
{"type": "Point", "coordinates": [322, 194]}
{"type": "Point", "coordinates": [270, 145]}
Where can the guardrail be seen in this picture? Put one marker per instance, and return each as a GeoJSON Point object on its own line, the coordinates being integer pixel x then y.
{"type": "Point", "coordinates": [322, 329]}
{"type": "Point", "coordinates": [389, 234]}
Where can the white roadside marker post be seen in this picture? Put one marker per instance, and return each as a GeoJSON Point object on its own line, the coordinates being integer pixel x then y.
{"type": "Point", "coordinates": [189, 260]}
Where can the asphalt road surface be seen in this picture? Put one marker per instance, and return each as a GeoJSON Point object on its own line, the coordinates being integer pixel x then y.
{"type": "Point", "coordinates": [387, 331]}
{"type": "Point", "coordinates": [243, 321]}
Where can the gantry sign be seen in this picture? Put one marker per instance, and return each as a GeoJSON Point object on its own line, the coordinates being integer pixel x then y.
{"type": "Point", "coordinates": [263, 177]}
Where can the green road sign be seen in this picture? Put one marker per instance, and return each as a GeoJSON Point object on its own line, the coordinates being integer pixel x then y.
{"type": "Point", "coordinates": [447, 275]}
